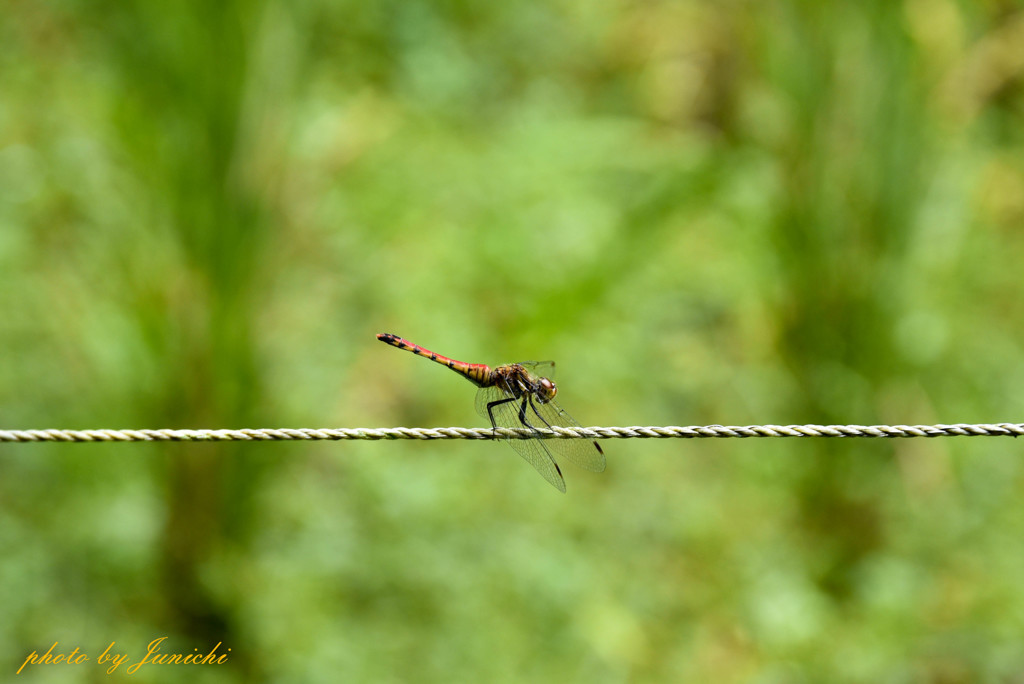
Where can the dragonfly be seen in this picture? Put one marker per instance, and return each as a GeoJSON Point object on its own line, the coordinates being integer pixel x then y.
{"type": "Point", "coordinates": [521, 395]}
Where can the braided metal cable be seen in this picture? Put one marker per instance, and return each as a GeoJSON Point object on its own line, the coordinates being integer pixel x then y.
{"type": "Point", "coordinates": [665, 432]}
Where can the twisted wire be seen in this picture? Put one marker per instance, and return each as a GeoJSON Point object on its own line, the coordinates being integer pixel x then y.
{"type": "Point", "coordinates": [635, 432]}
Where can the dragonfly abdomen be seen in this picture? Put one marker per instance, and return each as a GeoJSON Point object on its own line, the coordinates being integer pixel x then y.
{"type": "Point", "coordinates": [477, 373]}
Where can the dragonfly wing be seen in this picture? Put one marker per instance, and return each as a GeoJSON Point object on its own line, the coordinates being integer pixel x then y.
{"type": "Point", "coordinates": [582, 453]}
{"type": "Point", "coordinates": [544, 369]}
{"type": "Point", "coordinates": [507, 415]}
{"type": "Point", "coordinates": [487, 395]}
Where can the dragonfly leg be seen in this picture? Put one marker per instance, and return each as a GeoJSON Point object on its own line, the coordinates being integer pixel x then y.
{"type": "Point", "coordinates": [522, 412]}
{"type": "Point", "coordinates": [490, 408]}
{"type": "Point", "coordinates": [536, 412]}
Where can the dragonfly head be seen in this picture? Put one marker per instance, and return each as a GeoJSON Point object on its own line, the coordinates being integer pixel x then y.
{"type": "Point", "coordinates": [548, 389]}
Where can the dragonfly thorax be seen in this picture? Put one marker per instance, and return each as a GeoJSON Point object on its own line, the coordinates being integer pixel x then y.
{"type": "Point", "coordinates": [518, 382]}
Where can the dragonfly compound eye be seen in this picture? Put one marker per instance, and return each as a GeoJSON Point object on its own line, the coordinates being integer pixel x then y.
{"type": "Point", "coordinates": [548, 389]}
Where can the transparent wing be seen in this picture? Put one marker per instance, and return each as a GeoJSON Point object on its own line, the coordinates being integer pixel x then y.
{"type": "Point", "coordinates": [545, 369]}
{"type": "Point", "coordinates": [508, 413]}
{"type": "Point", "coordinates": [487, 395]}
{"type": "Point", "coordinates": [586, 455]}
{"type": "Point", "coordinates": [582, 453]}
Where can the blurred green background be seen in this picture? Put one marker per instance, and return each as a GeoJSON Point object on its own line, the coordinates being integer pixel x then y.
{"type": "Point", "coordinates": [729, 213]}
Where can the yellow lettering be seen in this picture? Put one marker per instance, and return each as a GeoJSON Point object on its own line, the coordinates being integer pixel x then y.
{"type": "Point", "coordinates": [153, 648]}
{"type": "Point", "coordinates": [73, 658]}
{"type": "Point", "coordinates": [47, 658]}
{"type": "Point", "coordinates": [210, 656]}
{"type": "Point", "coordinates": [153, 656]}
{"type": "Point", "coordinates": [118, 660]}
{"type": "Point", "coordinates": [30, 659]}
{"type": "Point", "coordinates": [115, 660]}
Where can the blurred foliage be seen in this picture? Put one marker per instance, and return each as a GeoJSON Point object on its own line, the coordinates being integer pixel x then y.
{"type": "Point", "coordinates": [706, 212]}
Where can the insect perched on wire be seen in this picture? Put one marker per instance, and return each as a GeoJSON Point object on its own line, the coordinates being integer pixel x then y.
{"type": "Point", "coordinates": [521, 395]}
